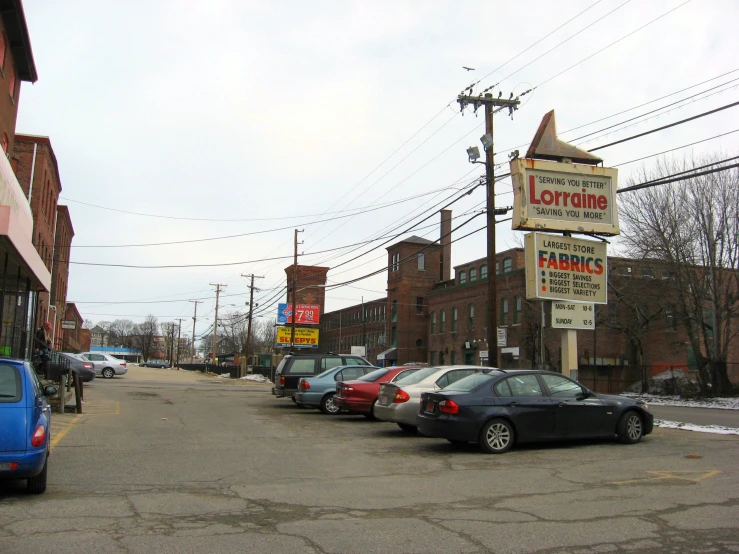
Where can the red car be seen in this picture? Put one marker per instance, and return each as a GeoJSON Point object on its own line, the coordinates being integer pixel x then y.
{"type": "Point", "coordinates": [359, 396]}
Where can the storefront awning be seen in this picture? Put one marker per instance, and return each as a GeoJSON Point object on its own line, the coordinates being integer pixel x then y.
{"type": "Point", "coordinates": [390, 355]}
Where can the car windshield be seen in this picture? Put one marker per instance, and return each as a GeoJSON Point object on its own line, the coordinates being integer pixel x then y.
{"type": "Point", "coordinates": [471, 382]}
{"type": "Point", "coordinates": [418, 376]}
{"type": "Point", "coordinates": [373, 376]}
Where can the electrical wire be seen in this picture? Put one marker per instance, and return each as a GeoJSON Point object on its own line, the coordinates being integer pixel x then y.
{"type": "Point", "coordinates": [675, 177]}
{"type": "Point", "coordinates": [676, 148]}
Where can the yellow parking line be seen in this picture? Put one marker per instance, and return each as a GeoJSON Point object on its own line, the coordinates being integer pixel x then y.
{"type": "Point", "coordinates": [59, 436]}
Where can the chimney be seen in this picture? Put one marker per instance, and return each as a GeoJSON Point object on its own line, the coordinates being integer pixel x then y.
{"type": "Point", "coordinates": [445, 266]}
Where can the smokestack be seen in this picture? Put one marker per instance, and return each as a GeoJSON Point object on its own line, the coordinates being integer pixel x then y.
{"type": "Point", "coordinates": [445, 265]}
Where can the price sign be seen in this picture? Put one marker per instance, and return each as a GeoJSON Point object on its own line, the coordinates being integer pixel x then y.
{"type": "Point", "coordinates": [308, 314]}
{"type": "Point", "coordinates": [569, 315]}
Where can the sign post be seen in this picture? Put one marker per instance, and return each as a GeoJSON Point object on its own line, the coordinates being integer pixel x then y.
{"type": "Point", "coordinates": [559, 187]}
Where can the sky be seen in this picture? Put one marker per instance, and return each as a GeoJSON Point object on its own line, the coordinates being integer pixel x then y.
{"type": "Point", "coordinates": [254, 118]}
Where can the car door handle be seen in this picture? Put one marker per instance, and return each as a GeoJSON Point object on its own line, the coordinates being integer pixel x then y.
{"type": "Point", "coordinates": [512, 404]}
{"type": "Point", "coordinates": [561, 404]}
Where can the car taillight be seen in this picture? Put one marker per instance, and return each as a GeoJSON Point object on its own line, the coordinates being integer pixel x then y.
{"type": "Point", "coordinates": [87, 366]}
{"type": "Point", "coordinates": [282, 379]}
{"type": "Point", "coordinates": [9, 465]}
{"type": "Point", "coordinates": [448, 407]}
{"type": "Point", "coordinates": [39, 436]}
{"type": "Point", "coordinates": [401, 396]}
{"type": "Point", "coordinates": [305, 385]}
{"type": "Point", "coordinates": [347, 389]}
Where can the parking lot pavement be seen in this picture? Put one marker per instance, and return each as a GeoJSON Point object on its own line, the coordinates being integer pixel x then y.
{"type": "Point", "coordinates": [190, 463]}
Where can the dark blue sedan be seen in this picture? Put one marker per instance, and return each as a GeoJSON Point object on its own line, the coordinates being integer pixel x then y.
{"type": "Point", "coordinates": [25, 417]}
{"type": "Point", "coordinates": [499, 408]}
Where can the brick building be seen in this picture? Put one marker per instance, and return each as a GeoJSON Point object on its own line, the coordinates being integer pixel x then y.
{"type": "Point", "coordinates": [38, 174]}
{"type": "Point", "coordinates": [16, 65]}
{"type": "Point", "coordinates": [432, 316]}
{"type": "Point", "coordinates": [77, 339]}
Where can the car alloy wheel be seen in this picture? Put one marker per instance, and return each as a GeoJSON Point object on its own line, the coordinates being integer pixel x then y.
{"type": "Point", "coordinates": [496, 436]}
{"type": "Point", "coordinates": [108, 373]}
{"type": "Point", "coordinates": [630, 428]}
{"type": "Point", "coordinates": [328, 406]}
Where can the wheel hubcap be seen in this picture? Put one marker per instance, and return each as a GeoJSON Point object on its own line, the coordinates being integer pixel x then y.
{"type": "Point", "coordinates": [633, 427]}
{"type": "Point", "coordinates": [330, 406]}
{"type": "Point", "coordinates": [498, 436]}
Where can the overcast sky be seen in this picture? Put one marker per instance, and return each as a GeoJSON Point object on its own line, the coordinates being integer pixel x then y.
{"type": "Point", "coordinates": [258, 115]}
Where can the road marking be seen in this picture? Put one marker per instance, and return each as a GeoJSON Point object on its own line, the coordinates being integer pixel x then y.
{"type": "Point", "coordinates": [687, 475]}
{"type": "Point", "coordinates": [102, 407]}
{"type": "Point", "coordinates": [60, 435]}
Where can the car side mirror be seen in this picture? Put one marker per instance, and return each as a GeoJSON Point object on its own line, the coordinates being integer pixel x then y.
{"type": "Point", "coordinates": [584, 394]}
{"type": "Point", "coordinates": [50, 390]}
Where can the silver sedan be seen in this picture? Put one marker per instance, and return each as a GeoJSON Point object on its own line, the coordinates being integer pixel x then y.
{"type": "Point", "coordinates": [399, 402]}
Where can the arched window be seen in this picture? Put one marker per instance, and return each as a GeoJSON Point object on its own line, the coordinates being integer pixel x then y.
{"type": "Point", "coordinates": [484, 271]}
{"type": "Point", "coordinates": [507, 265]}
{"type": "Point", "coordinates": [421, 261]}
{"type": "Point", "coordinates": [504, 311]}
{"type": "Point", "coordinates": [473, 274]}
{"type": "Point", "coordinates": [462, 277]}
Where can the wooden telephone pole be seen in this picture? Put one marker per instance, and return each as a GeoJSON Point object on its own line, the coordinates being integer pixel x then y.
{"type": "Point", "coordinates": [194, 319]}
{"type": "Point", "coordinates": [251, 312]}
{"type": "Point", "coordinates": [490, 103]}
{"type": "Point", "coordinates": [295, 291]}
{"type": "Point", "coordinates": [215, 321]}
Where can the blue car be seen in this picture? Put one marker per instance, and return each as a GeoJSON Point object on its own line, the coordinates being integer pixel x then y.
{"type": "Point", "coordinates": [318, 392]}
{"type": "Point", "coordinates": [25, 417]}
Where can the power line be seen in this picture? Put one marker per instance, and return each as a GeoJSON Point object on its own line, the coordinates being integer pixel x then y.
{"type": "Point", "coordinates": [704, 114]}
{"type": "Point", "coordinates": [681, 177]}
{"type": "Point", "coordinates": [676, 148]}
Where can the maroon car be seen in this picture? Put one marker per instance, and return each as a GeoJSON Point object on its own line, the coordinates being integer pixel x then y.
{"type": "Point", "coordinates": [359, 396]}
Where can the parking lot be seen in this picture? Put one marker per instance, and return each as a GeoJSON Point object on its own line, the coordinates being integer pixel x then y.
{"type": "Point", "coordinates": [168, 461]}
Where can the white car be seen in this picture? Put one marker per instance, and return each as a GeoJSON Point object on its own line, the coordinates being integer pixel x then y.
{"type": "Point", "coordinates": [105, 364]}
{"type": "Point", "coordinates": [399, 401]}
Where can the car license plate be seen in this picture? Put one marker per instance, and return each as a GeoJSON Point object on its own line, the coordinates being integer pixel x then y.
{"type": "Point", "coordinates": [430, 407]}
{"type": "Point", "coordinates": [383, 399]}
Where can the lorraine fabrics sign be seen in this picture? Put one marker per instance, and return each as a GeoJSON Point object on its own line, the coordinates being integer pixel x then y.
{"type": "Point", "coordinates": [565, 268]}
{"type": "Point", "coordinates": [305, 337]}
{"type": "Point", "coordinates": [308, 314]}
{"type": "Point", "coordinates": [551, 196]}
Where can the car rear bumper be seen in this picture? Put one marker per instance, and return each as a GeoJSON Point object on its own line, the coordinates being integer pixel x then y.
{"type": "Point", "coordinates": [121, 370]}
{"type": "Point", "coordinates": [404, 412]}
{"type": "Point", "coordinates": [445, 428]}
{"type": "Point", "coordinates": [283, 393]}
{"type": "Point", "coordinates": [351, 405]}
{"type": "Point", "coordinates": [312, 399]}
{"type": "Point", "coordinates": [30, 464]}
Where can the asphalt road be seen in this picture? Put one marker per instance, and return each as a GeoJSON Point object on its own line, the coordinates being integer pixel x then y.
{"type": "Point", "coordinates": [698, 416]}
{"type": "Point", "coordinates": [167, 461]}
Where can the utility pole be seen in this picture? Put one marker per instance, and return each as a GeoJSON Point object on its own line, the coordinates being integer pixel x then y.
{"type": "Point", "coordinates": [251, 312]}
{"type": "Point", "coordinates": [194, 319]}
{"type": "Point", "coordinates": [490, 104]}
{"type": "Point", "coordinates": [295, 291]}
{"type": "Point", "coordinates": [179, 334]}
{"type": "Point", "coordinates": [215, 321]}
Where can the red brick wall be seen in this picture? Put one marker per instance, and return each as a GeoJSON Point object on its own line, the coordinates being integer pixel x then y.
{"type": "Point", "coordinates": [8, 103]}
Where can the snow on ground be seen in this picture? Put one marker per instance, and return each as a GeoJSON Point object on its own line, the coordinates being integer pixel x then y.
{"type": "Point", "coordinates": [255, 377]}
{"type": "Point", "coordinates": [719, 403]}
{"type": "Point", "coordinates": [717, 429]}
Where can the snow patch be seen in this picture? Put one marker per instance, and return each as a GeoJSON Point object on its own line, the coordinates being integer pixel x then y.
{"type": "Point", "coordinates": [255, 377]}
{"type": "Point", "coordinates": [224, 376]}
{"type": "Point", "coordinates": [716, 429]}
{"type": "Point", "coordinates": [716, 403]}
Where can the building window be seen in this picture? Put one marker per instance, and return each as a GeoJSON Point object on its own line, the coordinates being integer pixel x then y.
{"type": "Point", "coordinates": [484, 271]}
{"type": "Point", "coordinates": [517, 309]}
{"type": "Point", "coordinates": [419, 305]}
{"type": "Point", "coordinates": [647, 273]}
{"type": "Point", "coordinates": [394, 337]}
{"type": "Point", "coordinates": [454, 357]}
{"type": "Point", "coordinates": [504, 311]}
{"type": "Point", "coordinates": [487, 314]}
{"type": "Point", "coordinates": [462, 277]}
{"type": "Point", "coordinates": [507, 265]}
{"type": "Point", "coordinates": [394, 313]}
{"type": "Point", "coordinates": [421, 261]}
{"type": "Point", "coordinates": [442, 324]}
{"type": "Point", "coordinates": [670, 317]}
{"type": "Point", "coordinates": [454, 320]}
{"type": "Point", "coordinates": [665, 274]}
{"type": "Point", "coordinates": [433, 323]}
{"type": "Point", "coordinates": [441, 358]}
{"type": "Point", "coordinates": [473, 274]}
{"type": "Point", "coordinates": [395, 262]}
{"type": "Point", "coordinates": [432, 358]}
{"type": "Point", "coordinates": [497, 268]}
{"type": "Point", "coordinates": [470, 316]}
{"type": "Point", "coordinates": [11, 83]}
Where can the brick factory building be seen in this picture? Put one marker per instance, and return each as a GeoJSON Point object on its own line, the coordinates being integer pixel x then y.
{"type": "Point", "coordinates": [432, 316]}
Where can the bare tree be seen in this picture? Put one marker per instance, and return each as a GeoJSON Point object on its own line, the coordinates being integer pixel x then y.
{"type": "Point", "coordinates": [144, 336]}
{"type": "Point", "coordinates": [120, 331]}
{"type": "Point", "coordinates": [169, 334]}
{"type": "Point", "coordinates": [264, 335]}
{"type": "Point", "coordinates": [232, 329]}
{"type": "Point", "coordinates": [693, 228]}
{"type": "Point", "coordinates": [88, 324]}
{"type": "Point", "coordinates": [104, 326]}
